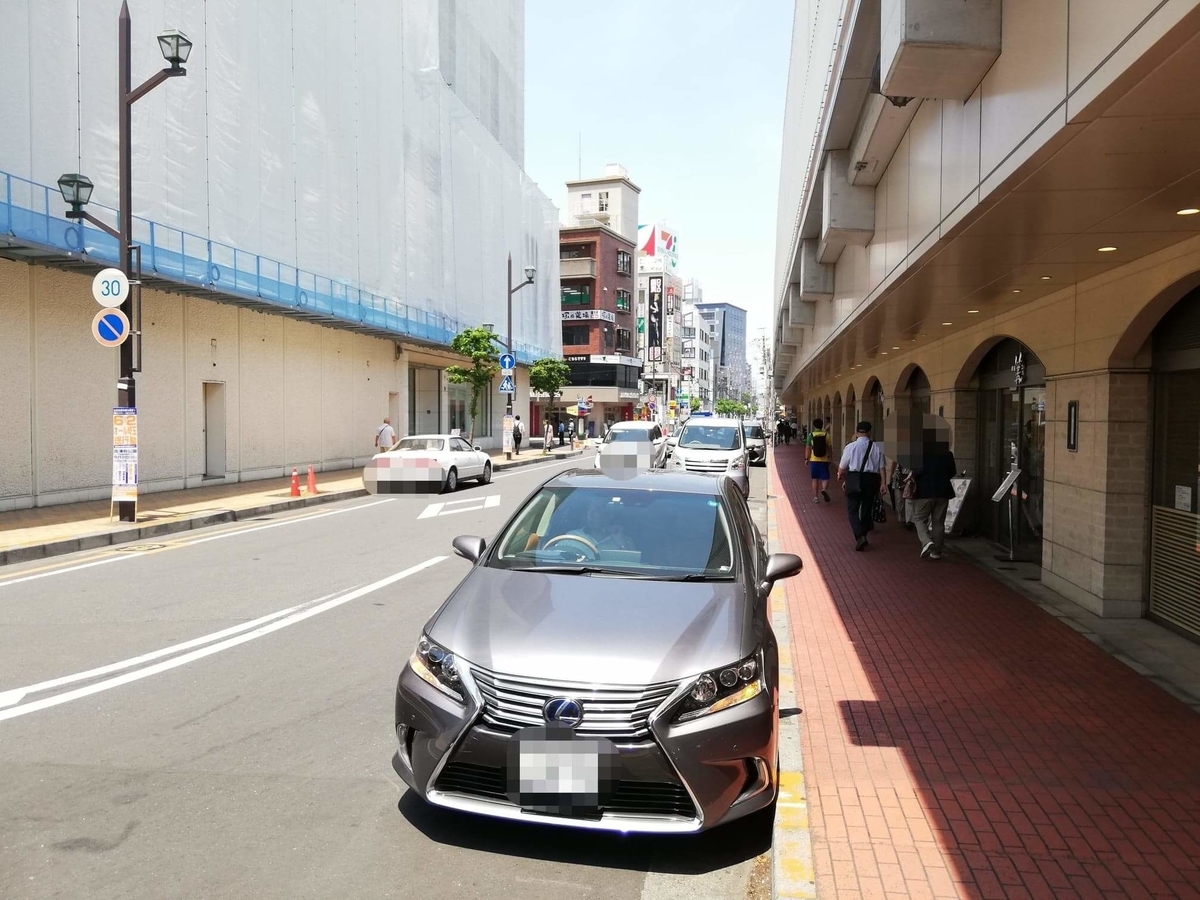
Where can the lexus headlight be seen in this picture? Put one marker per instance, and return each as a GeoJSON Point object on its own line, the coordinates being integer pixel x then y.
{"type": "Point", "coordinates": [437, 666]}
{"type": "Point", "coordinates": [723, 688]}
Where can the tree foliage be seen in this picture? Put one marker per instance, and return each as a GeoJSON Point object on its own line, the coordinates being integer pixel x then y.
{"type": "Point", "coordinates": [479, 346]}
{"type": "Point", "coordinates": [727, 407]}
{"type": "Point", "coordinates": [549, 376]}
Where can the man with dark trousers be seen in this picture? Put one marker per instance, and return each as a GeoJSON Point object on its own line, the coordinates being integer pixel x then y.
{"type": "Point", "coordinates": [861, 475]}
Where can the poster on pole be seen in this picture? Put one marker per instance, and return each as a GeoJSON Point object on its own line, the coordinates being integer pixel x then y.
{"type": "Point", "coordinates": [508, 434]}
{"type": "Point", "coordinates": [125, 455]}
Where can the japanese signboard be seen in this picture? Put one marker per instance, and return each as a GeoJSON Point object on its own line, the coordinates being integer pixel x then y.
{"type": "Point", "coordinates": [655, 324]}
{"type": "Point", "coordinates": [125, 455]}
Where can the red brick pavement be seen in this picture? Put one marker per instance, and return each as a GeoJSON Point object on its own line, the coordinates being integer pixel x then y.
{"type": "Point", "coordinates": [961, 742]}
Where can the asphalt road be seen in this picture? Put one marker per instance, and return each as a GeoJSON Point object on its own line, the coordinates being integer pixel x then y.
{"type": "Point", "coordinates": [212, 717]}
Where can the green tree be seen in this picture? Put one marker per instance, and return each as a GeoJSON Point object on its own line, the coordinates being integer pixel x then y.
{"type": "Point", "coordinates": [549, 376]}
{"type": "Point", "coordinates": [479, 346]}
{"type": "Point", "coordinates": [727, 407]}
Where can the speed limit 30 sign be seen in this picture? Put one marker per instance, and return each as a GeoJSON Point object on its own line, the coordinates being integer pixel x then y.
{"type": "Point", "coordinates": [110, 287]}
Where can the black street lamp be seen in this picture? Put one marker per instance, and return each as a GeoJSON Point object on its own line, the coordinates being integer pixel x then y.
{"type": "Point", "coordinates": [77, 189]}
{"type": "Point", "coordinates": [530, 272]}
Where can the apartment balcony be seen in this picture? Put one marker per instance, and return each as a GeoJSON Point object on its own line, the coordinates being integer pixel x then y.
{"type": "Point", "coordinates": [577, 267]}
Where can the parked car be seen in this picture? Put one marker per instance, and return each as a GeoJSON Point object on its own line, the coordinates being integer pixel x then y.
{"type": "Point", "coordinates": [634, 432]}
{"type": "Point", "coordinates": [456, 459]}
{"type": "Point", "coordinates": [756, 443]}
{"type": "Point", "coordinates": [713, 446]}
{"type": "Point", "coordinates": [641, 656]}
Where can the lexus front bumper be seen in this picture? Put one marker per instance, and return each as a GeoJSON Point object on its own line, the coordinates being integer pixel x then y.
{"type": "Point", "coordinates": [680, 778]}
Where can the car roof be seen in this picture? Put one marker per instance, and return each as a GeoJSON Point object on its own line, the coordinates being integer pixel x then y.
{"type": "Point", "coordinates": [430, 437]}
{"type": "Point", "coordinates": [716, 422]}
{"type": "Point", "coordinates": [647, 480]}
{"type": "Point", "coordinates": [616, 426]}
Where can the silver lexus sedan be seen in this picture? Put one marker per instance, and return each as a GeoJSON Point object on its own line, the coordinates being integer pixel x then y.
{"type": "Point", "coordinates": [607, 663]}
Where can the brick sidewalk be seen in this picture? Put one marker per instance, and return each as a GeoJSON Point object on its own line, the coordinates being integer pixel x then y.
{"type": "Point", "coordinates": [961, 742]}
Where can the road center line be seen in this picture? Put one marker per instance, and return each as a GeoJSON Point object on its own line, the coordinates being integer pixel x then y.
{"type": "Point", "coordinates": [11, 698]}
{"type": "Point", "coordinates": [279, 623]}
{"type": "Point", "coordinates": [174, 545]}
{"type": "Point", "coordinates": [536, 466]}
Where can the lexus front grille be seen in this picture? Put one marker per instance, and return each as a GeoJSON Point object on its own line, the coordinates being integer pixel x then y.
{"type": "Point", "coordinates": [620, 713]}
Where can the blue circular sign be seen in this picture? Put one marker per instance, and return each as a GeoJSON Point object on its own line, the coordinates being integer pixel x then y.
{"type": "Point", "coordinates": [110, 327]}
{"type": "Point", "coordinates": [508, 361]}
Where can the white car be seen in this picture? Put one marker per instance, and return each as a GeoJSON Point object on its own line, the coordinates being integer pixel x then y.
{"type": "Point", "coordinates": [456, 458]}
{"type": "Point", "coordinates": [715, 447]}
{"type": "Point", "coordinates": [645, 432]}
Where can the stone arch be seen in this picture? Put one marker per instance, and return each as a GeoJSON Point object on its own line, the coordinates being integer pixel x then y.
{"type": "Point", "coordinates": [1133, 341]}
{"type": "Point", "coordinates": [850, 416]}
{"type": "Point", "coordinates": [873, 405]}
{"type": "Point", "coordinates": [970, 365]}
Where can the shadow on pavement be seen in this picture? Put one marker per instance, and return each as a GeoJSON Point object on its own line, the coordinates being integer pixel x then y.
{"type": "Point", "coordinates": [694, 854]}
{"type": "Point", "coordinates": [1040, 764]}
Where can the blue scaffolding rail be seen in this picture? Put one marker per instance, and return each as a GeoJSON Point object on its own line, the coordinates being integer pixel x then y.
{"type": "Point", "coordinates": [195, 262]}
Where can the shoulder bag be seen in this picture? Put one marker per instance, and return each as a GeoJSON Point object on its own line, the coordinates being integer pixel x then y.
{"type": "Point", "coordinates": [854, 479]}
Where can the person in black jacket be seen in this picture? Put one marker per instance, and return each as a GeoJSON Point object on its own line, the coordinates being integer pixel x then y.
{"type": "Point", "coordinates": [934, 490]}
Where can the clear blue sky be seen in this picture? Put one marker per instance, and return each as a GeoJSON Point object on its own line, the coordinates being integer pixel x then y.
{"type": "Point", "coordinates": [689, 98]}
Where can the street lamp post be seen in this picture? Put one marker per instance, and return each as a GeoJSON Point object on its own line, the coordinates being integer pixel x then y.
{"type": "Point", "coordinates": [77, 189]}
{"type": "Point", "coordinates": [530, 272]}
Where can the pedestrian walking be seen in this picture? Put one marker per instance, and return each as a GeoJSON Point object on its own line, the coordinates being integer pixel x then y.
{"type": "Point", "coordinates": [816, 453]}
{"type": "Point", "coordinates": [933, 491]}
{"type": "Point", "coordinates": [518, 435]}
{"type": "Point", "coordinates": [900, 487]}
{"type": "Point", "coordinates": [385, 436]}
{"type": "Point", "coordinates": [547, 435]}
{"type": "Point", "coordinates": [861, 474]}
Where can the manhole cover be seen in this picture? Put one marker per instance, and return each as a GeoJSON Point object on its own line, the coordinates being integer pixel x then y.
{"type": "Point", "coordinates": [139, 548]}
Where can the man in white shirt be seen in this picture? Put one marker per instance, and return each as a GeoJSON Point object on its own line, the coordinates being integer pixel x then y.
{"type": "Point", "coordinates": [385, 436]}
{"type": "Point", "coordinates": [861, 474]}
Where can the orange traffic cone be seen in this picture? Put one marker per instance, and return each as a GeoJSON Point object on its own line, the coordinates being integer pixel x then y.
{"type": "Point", "coordinates": [295, 483]}
{"type": "Point", "coordinates": [312, 480]}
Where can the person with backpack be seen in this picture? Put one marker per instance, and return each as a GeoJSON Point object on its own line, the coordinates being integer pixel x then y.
{"type": "Point", "coordinates": [518, 435]}
{"type": "Point", "coordinates": [816, 453]}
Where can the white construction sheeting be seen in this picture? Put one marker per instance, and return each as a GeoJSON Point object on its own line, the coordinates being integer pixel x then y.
{"type": "Point", "coordinates": [376, 143]}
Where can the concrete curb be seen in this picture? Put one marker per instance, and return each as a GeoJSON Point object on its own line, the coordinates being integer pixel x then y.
{"type": "Point", "coordinates": [124, 536]}
{"type": "Point", "coordinates": [101, 539]}
{"type": "Point", "coordinates": [792, 873]}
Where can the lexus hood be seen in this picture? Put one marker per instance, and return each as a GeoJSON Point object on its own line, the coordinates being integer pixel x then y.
{"type": "Point", "coordinates": [591, 628]}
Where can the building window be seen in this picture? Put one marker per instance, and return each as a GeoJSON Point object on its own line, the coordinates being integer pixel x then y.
{"type": "Point", "coordinates": [624, 262]}
{"type": "Point", "coordinates": [575, 335]}
{"type": "Point", "coordinates": [604, 201]}
{"type": "Point", "coordinates": [576, 294]}
{"type": "Point", "coordinates": [575, 251]}
{"type": "Point", "coordinates": [623, 301]}
{"type": "Point", "coordinates": [622, 338]}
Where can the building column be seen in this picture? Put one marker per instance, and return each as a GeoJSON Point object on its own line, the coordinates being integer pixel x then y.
{"type": "Point", "coordinates": [960, 409]}
{"type": "Point", "coordinates": [1096, 497]}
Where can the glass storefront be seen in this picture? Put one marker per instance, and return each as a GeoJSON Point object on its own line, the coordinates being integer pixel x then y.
{"type": "Point", "coordinates": [458, 401]}
{"type": "Point", "coordinates": [1012, 434]}
{"type": "Point", "coordinates": [1175, 493]}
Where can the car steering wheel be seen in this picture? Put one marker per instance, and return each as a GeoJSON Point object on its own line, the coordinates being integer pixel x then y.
{"type": "Point", "coordinates": [573, 537]}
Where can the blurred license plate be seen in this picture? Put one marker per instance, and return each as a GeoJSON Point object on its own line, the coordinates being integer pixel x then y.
{"type": "Point", "coordinates": [552, 770]}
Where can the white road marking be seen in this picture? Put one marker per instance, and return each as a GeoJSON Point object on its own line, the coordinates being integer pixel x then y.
{"type": "Point", "coordinates": [186, 543]}
{"type": "Point", "coordinates": [291, 618]}
{"type": "Point", "coordinates": [11, 698]}
{"type": "Point", "coordinates": [576, 461]}
{"type": "Point", "coordinates": [477, 503]}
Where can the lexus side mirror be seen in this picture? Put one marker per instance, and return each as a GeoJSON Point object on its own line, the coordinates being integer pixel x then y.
{"type": "Point", "coordinates": [469, 547]}
{"type": "Point", "coordinates": [781, 565]}
{"type": "Point", "coordinates": [478, 448]}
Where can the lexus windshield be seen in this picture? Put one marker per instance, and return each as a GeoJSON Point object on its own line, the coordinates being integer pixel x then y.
{"type": "Point", "coordinates": [599, 531]}
{"type": "Point", "coordinates": [411, 444]}
{"type": "Point", "coordinates": [710, 437]}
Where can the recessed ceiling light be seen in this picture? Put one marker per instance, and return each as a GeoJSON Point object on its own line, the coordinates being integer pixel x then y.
{"type": "Point", "coordinates": [947, 323]}
{"type": "Point", "coordinates": [1190, 211]}
{"type": "Point", "coordinates": [883, 353]}
{"type": "Point", "coordinates": [1016, 290]}
{"type": "Point", "coordinates": [1106, 249]}
{"type": "Point", "coordinates": [972, 311]}
{"type": "Point", "coordinates": [1045, 278]}
{"type": "Point", "coordinates": [895, 348]}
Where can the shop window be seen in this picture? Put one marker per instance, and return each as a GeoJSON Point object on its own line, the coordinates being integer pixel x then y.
{"type": "Point", "coordinates": [458, 397]}
{"type": "Point", "coordinates": [623, 298]}
{"type": "Point", "coordinates": [575, 335]}
{"type": "Point", "coordinates": [576, 294]}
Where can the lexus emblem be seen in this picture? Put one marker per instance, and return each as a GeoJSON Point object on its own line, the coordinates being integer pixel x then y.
{"type": "Point", "coordinates": [563, 711]}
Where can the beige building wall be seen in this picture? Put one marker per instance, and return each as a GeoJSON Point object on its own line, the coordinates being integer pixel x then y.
{"type": "Point", "coordinates": [296, 393]}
